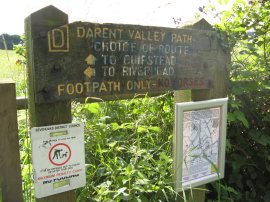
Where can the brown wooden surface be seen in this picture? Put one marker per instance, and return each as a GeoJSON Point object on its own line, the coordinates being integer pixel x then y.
{"type": "Point", "coordinates": [73, 62]}
{"type": "Point", "coordinates": [218, 90]}
{"type": "Point", "coordinates": [37, 25]}
{"type": "Point", "coordinates": [10, 168]}
{"type": "Point", "coordinates": [21, 103]}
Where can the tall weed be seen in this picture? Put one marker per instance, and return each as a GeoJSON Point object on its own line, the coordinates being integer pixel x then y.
{"type": "Point", "coordinates": [248, 139]}
{"type": "Point", "coordinates": [128, 148]}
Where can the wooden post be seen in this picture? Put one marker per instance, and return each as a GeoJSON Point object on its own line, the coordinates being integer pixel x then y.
{"type": "Point", "coordinates": [10, 168]}
{"type": "Point", "coordinates": [37, 25]}
{"type": "Point", "coordinates": [21, 103]}
{"type": "Point", "coordinates": [218, 90]}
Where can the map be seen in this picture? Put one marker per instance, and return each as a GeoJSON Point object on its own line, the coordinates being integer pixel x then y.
{"type": "Point", "coordinates": [201, 140]}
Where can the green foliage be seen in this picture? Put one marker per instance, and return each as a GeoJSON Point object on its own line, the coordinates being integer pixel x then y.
{"type": "Point", "coordinates": [128, 148]}
{"type": "Point", "coordinates": [129, 143]}
{"type": "Point", "coordinates": [248, 138]}
{"type": "Point", "coordinates": [7, 41]}
{"type": "Point", "coordinates": [12, 65]}
{"type": "Point", "coordinates": [25, 156]}
{"type": "Point", "coordinates": [21, 63]}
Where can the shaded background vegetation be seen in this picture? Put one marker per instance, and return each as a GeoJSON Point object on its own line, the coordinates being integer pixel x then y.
{"type": "Point", "coordinates": [7, 41]}
{"type": "Point", "coordinates": [248, 132]}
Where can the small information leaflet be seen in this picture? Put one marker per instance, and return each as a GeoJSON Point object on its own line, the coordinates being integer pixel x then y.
{"type": "Point", "coordinates": [200, 139]}
{"type": "Point", "coordinates": [58, 158]}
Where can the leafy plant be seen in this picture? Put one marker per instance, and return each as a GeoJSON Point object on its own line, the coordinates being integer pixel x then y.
{"type": "Point", "coordinates": [247, 158]}
{"type": "Point", "coordinates": [128, 149]}
{"type": "Point", "coordinates": [128, 142]}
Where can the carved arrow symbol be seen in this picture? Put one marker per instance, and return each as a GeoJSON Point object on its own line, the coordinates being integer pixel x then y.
{"type": "Point", "coordinates": [89, 72]}
{"type": "Point", "coordinates": [90, 60]}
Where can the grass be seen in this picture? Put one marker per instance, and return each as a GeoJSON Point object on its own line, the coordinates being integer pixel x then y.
{"type": "Point", "coordinates": [11, 68]}
{"type": "Point", "coordinates": [128, 147]}
{"type": "Point", "coordinates": [8, 67]}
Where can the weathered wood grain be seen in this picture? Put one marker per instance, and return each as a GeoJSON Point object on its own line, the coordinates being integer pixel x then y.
{"type": "Point", "coordinates": [37, 25]}
{"type": "Point", "coordinates": [110, 61]}
{"type": "Point", "coordinates": [218, 90]}
{"type": "Point", "coordinates": [10, 168]}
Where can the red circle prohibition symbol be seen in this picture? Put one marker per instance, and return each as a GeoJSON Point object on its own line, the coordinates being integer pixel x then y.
{"type": "Point", "coordinates": [58, 156]}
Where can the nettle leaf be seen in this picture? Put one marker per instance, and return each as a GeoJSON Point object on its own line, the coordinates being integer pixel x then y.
{"type": "Point", "coordinates": [114, 126]}
{"type": "Point", "coordinates": [124, 179]}
{"type": "Point", "coordinates": [126, 196]}
{"type": "Point", "coordinates": [165, 157]}
{"type": "Point", "coordinates": [143, 181]}
{"type": "Point", "coordinates": [142, 129]}
{"type": "Point", "coordinates": [93, 107]}
{"type": "Point", "coordinates": [119, 192]}
{"type": "Point", "coordinates": [239, 29]}
{"type": "Point", "coordinates": [231, 117]}
{"type": "Point", "coordinates": [241, 117]}
{"type": "Point", "coordinates": [127, 125]}
{"type": "Point", "coordinates": [260, 138]}
{"type": "Point", "coordinates": [112, 144]}
{"type": "Point", "coordinates": [234, 104]}
{"type": "Point", "coordinates": [154, 129]}
{"type": "Point", "coordinates": [129, 169]}
{"type": "Point", "coordinates": [141, 175]}
{"type": "Point", "coordinates": [239, 162]}
{"type": "Point", "coordinates": [230, 189]}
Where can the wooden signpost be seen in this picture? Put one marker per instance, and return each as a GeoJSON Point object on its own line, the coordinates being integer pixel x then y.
{"type": "Point", "coordinates": [10, 167]}
{"type": "Point", "coordinates": [37, 25]}
{"type": "Point", "coordinates": [218, 90]}
{"type": "Point", "coordinates": [114, 61]}
{"type": "Point", "coordinates": [110, 61]}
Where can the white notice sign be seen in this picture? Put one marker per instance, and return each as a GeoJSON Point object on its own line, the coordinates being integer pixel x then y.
{"type": "Point", "coordinates": [58, 158]}
{"type": "Point", "coordinates": [199, 142]}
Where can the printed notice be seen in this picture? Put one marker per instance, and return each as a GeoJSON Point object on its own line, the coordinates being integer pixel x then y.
{"type": "Point", "coordinates": [58, 158]}
{"type": "Point", "coordinates": [201, 140]}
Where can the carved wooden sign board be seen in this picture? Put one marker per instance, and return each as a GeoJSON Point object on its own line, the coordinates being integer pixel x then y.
{"type": "Point", "coordinates": [111, 61]}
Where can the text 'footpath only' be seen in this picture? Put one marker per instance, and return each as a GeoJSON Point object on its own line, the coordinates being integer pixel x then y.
{"type": "Point", "coordinates": [84, 59]}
